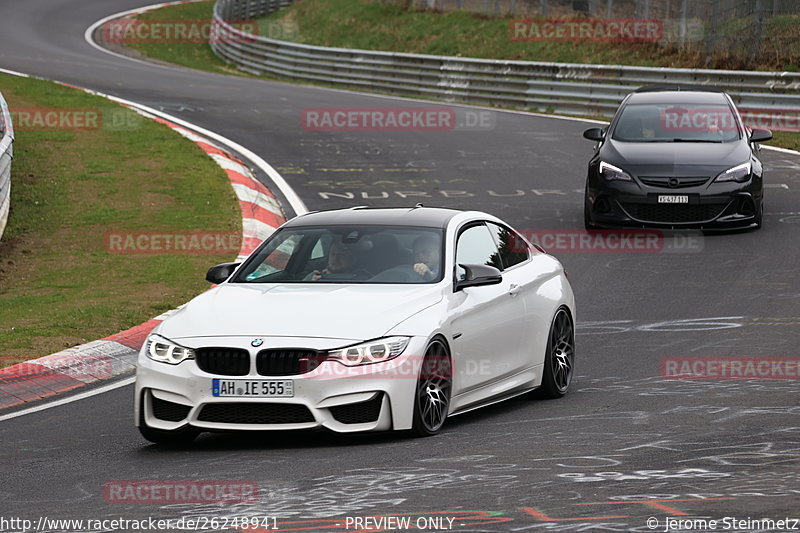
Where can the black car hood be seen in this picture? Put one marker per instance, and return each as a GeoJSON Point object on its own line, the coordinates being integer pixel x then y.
{"type": "Point", "coordinates": [678, 159]}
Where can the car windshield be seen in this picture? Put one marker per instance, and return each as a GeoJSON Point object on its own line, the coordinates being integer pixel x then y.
{"type": "Point", "coordinates": [347, 254]}
{"type": "Point", "coordinates": [676, 123]}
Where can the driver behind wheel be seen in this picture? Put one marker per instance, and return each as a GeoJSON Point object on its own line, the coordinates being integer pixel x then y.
{"type": "Point", "coordinates": [342, 262]}
{"type": "Point", "coordinates": [426, 257]}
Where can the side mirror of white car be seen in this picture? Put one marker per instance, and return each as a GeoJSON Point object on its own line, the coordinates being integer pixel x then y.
{"type": "Point", "coordinates": [477, 275]}
{"type": "Point", "coordinates": [220, 273]}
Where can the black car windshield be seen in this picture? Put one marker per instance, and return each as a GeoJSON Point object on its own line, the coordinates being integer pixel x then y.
{"type": "Point", "coordinates": [347, 254]}
{"type": "Point", "coordinates": [676, 123]}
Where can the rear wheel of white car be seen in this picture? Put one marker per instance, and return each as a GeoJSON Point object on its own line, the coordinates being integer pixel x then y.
{"type": "Point", "coordinates": [434, 386]}
{"type": "Point", "coordinates": [559, 361]}
{"type": "Point", "coordinates": [184, 435]}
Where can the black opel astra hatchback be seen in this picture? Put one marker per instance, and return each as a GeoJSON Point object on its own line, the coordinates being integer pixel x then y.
{"type": "Point", "coordinates": [675, 158]}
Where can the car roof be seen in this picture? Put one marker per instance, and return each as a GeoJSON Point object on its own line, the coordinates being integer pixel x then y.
{"type": "Point", "coordinates": [677, 87]}
{"type": "Point", "coordinates": [696, 96]}
{"type": "Point", "coordinates": [431, 217]}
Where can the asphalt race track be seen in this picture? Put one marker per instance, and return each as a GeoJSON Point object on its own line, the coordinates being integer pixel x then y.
{"type": "Point", "coordinates": [623, 446]}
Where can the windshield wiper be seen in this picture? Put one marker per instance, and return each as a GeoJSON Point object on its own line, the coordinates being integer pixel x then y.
{"type": "Point", "coordinates": [695, 141]}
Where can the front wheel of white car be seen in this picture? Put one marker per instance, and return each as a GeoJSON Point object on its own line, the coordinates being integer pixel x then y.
{"type": "Point", "coordinates": [559, 361]}
{"type": "Point", "coordinates": [434, 386]}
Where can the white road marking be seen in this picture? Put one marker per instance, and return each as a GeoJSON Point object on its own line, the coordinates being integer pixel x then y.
{"type": "Point", "coordinates": [14, 73]}
{"type": "Point", "coordinates": [69, 399]}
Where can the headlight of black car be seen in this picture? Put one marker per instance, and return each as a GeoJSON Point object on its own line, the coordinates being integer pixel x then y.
{"type": "Point", "coordinates": [610, 172]}
{"type": "Point", "coordinates": [738, 173]}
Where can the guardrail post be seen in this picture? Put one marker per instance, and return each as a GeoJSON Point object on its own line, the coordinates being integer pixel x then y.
{"type": "Point", "coordinates": [758, 28]}
{"type": "Point", "coordinates": [684, 10]}
{"type": "Point", "coordinates": [711, 40]}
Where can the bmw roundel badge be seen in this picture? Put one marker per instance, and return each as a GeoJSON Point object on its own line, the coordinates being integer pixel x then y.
{"type": "Point", "coordinates": [256, 342]}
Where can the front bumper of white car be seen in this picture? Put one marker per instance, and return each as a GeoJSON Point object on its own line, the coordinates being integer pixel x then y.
{"type": "Point", "coordinates": [372, 397]}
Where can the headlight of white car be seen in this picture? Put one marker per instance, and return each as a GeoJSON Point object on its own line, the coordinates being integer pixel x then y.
{"type": "Point", "coordinates": [738, 173]}
{"type": "Point", "coordinates": [376, 351]}
{"type": "Point", "coordinates": [610, 172]}
{"type": "Point", "coordinates": [165, 351]}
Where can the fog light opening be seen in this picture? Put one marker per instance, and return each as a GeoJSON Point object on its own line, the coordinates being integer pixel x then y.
{"type": "Point", "coordinates": [746, 207]}
{"type": "Point", "coordinates": [602, 205]}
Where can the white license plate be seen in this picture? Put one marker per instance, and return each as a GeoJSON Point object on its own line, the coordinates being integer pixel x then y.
{"type": "Point", "coordinates": [672, 199]}
{"type": "Point", "coordinates": [252, 388]}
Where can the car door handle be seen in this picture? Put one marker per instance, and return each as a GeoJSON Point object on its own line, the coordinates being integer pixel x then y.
{"type": "Point", "coordinates": [514, 289]}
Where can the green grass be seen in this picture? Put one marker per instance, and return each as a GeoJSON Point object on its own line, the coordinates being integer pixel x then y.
{"type": "Point", "coordinates": [786, 139]}
{"type": "Point", "coordinates": [374, 25]}
{"type": "Point", "coordinates": [58, 285]}
{"type": "Point", "coordinates": [193, 55]}
{"type": "Point", "coordinates": [390, 26]}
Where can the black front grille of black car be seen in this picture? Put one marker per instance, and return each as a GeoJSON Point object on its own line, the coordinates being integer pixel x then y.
{"type": "Point", "coordinates": [676, 213]}
{"type": "Point", "coordinates": [255, 413]}
{"type": "Point", "coordinates": [169, 411]}
{"type": "Point", "coordinates": [223, 361]}
{"type": "Point", "coordinates": [677, 183]}
{"type": "Point", "coordinates": [287, 362]}
{"type": "Point", "coordinates": [358, 413]}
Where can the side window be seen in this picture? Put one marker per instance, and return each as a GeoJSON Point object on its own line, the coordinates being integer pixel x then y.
{"type": "Point", "coordinates": [513, 248]}
{"type": "Point", "coordinates": [319, 250]}
{"type": "Point", "coordinates": [276, 259]}
{"type": "Point", "coordinates": [476, 247]}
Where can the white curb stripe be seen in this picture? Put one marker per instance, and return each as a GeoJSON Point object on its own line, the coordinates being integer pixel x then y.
{"type": "Point", "coordinates": [252, 228]}
{"type": "Point", "coordinates": [229, 164]}
{"type": "Point", "coordinates": [252, 196]}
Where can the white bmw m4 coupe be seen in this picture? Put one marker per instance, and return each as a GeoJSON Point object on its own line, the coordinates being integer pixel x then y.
{"type": "Point", "coordinates": [362, 319]}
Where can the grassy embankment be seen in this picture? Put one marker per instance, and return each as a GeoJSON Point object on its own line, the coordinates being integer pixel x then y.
{"type": "Point", "coordinates": [390, 26]}
{"type": "Point", "coordinates": [59, 286]}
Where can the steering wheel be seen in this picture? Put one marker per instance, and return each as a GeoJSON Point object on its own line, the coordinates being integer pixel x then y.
{"type": "Point", "coordinates": [406, 272]}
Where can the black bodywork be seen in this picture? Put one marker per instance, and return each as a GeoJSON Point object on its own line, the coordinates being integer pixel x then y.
{"type": "Point", "coordinates": [675, 166]}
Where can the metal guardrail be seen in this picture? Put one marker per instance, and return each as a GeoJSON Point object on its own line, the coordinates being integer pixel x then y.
{"type": "Point", "coordinates": [576, 89]}
{"type": "Point", "coordinates": [6, 155]}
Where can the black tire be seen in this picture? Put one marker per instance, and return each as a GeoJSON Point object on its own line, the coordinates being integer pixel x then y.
{"type": "Point", "coordinates": [434, 387]}
{"type": "Point", "coordinates": [559, 361]}
{"type": "Point", "coordinates": [760, 216]}
{"type": "Point", "coordinates": [177, 437]}
{"type": "Point", "coordinates": [587, 219]}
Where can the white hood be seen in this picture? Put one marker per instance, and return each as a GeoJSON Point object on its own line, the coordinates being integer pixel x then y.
{"type": "Point", "coordinates": [355, 312]}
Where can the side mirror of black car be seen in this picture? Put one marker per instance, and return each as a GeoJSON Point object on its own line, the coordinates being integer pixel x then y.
{"type": "Point", "coordinates": [477, 275]}
{"type": "Point", "coordinates": [594, 134]}
{"type": "Point", "coordinates": [760, 136]}
{"type": "Point", "coordinates": [219, 273]}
